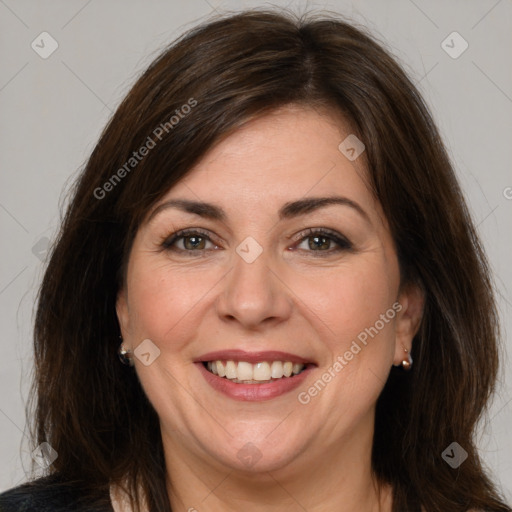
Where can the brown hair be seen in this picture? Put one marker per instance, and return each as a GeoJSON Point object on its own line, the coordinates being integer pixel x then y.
{"type": "Point", "coordinates": [93, 411]}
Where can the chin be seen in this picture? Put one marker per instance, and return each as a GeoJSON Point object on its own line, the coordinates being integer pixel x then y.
{"type": "Point", "coordinates": [259, 453]}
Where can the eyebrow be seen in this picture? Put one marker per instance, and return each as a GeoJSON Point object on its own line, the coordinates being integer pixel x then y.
{"type": "Point", "coordinates": [287, 211]}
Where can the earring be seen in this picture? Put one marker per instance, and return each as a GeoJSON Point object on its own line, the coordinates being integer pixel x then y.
{"type": "Point", "coordinates": [125, 355]}
{"type": "Point", "coordinates": [407, 363]}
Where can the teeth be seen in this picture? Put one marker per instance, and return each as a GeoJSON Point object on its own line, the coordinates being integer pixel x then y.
{"type": "Point", "coordinates": [231, 372]}
{"type": "Point", "coordinates": [248, 373]}
{"type": "Point", "coordinates": [221, 369]}
{"type": "Point", "coordinates": [261, 371]}
{"type": "Point", "coordinates": [276, 370]}
{"type": "Point", "coordinates": [296, 368]}
{"type": "Point", "coordinates": [244, 371]}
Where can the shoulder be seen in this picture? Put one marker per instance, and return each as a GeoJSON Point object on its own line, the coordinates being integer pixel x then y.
{"type": "Point", "coordinates": [49, 494]}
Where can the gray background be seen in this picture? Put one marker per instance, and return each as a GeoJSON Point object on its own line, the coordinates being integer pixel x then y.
{"type": "Point", "coordinates": [53, 110]}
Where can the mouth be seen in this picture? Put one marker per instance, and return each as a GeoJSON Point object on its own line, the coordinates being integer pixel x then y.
{"type": "Point", "coordinates": [253, 376]}
{"type": "Point", "coordinates": [244, 372]}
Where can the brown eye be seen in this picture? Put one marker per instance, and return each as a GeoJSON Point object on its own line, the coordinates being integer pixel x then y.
{"type": "Point", "coordinates": [188, 241]}
{"type": "Point", "coordinates": [323, 241]}
{"type": "Point", "coordinates": [319, 242]}
{"type": "Point", "coordinates": [193, 242]}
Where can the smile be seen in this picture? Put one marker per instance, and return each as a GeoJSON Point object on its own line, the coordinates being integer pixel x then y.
{"type": "Point", "coordinates": [254, 376]}
{"type": "Point", "coordinates": [244, 372]}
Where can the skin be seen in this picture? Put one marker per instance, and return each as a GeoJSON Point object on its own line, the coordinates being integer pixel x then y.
{"type": "Point", "coordinates": [290, 299]}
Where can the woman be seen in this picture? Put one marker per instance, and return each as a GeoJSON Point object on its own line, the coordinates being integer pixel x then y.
{"type": "Point", "coordinates": [269, 234]}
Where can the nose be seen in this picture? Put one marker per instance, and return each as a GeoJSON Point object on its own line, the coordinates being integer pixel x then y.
{"type": "Point", "coordinates": [254, 295]}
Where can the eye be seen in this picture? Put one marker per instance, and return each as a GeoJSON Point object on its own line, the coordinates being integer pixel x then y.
{"type": "Point", "coordinates": [188, 240]}
{"type": "Point", "coordinates": [321, 240]}
{"type": "Point", "coordinates": [318, 240]}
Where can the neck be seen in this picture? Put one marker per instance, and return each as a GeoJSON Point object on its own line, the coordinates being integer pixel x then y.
{"type": "Point", "coordinates": [319, 479]}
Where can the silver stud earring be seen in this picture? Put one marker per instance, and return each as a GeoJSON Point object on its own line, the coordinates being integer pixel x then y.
{"type": "Point", "coordinates": [125, 355]}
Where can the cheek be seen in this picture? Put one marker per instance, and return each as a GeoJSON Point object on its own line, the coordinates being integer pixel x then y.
{"type": "Point", "coordinates": [350, 301]}
{"type": "Point", "coordinates": [163, 299]}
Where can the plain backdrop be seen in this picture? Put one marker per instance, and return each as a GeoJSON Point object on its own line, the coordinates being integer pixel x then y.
{"type": "Point", "coordinates": [53, 110]}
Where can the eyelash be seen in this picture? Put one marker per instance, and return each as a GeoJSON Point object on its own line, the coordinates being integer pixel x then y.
{"type": "Point", "coordinates": [343, 243]}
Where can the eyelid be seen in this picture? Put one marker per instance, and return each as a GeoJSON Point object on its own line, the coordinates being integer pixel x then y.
{"type": "Point", "coordinates": [169, 240]}
{"type": "Point", "coordinates": [344, 244]}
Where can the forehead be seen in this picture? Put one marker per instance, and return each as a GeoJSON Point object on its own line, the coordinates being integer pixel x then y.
{"type": "Point", "coordinates": [290, 153]}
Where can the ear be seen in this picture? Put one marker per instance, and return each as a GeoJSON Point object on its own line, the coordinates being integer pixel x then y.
{"type": "Point", "coordinates": [408, 319]}
{"type": "Point", "coordinates": [123, 315]}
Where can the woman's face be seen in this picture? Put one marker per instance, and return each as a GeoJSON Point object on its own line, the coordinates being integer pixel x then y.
{"type": "Point", "coordinates": [269, 278]}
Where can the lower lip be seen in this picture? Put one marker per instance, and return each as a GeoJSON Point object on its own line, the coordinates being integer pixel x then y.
{"type": "Point", "coordinates": [253, 392]}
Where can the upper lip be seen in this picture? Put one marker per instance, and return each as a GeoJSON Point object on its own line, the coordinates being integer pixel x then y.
{"type": "Point", "coordinates": [252, 357]}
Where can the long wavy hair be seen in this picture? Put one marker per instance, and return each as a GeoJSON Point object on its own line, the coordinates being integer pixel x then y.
{"type": "Point", "coordinates": [92, 410]}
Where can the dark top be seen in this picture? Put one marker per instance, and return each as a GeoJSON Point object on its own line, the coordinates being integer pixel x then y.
{"type": "Point", "coordinates": [51, 494]}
